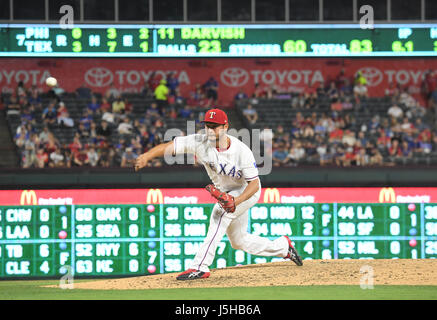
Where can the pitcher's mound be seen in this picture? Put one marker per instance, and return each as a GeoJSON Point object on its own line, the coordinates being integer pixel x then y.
{"type": "Point", "coordinates": [313, 272]}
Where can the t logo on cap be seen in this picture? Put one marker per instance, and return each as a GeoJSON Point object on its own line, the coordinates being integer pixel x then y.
{"type": "Point", "coordinates": [216, 116]}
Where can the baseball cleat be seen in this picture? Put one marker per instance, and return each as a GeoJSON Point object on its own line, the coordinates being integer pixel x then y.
{"type": "Point", "coordinates": [292, 254]}
{"type": "Point", "coordinates": [192, 274]}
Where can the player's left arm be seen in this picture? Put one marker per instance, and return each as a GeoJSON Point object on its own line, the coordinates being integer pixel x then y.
{"type": "Point", "coordinates": [250, 190]}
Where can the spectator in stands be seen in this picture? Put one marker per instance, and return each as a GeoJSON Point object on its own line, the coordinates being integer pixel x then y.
{"type": "Point", "coordinates": [109, 117]}
{"type": "Point", "coordinates": [104, 130]}
{"type": "Point", "coordinates": [49, 115]}
{"type": "Point", "coordinates": [211, 90]}
{"type": "Point", "coordinates": [349, 138]}
{"type": "Point", "coordinates": [250, 114]}
{"type": "Point", "coordinates": [105, 158]}
{"type": "Point", "coordinates": [280, 155]}
{"type": "Point", "coordinates": [178, 99]}
{"type": "Point", "coordinates": [135, 144]}
{"type": "Point", "coordinates": [347, 104]}
{"type": "Point", "coordinates": [359, 79]}
{"type": "Point", "coordinates": [29, 152]}
{"type": "Point", "coordinates": [406, 126]}
{"type": "Point", "coordinates": [395, 150]}
{"type": "Point", "coordinates": [320, 89]}
{"type": "Point", "coordinates": [172, 83]}
{"type": "Point", "coordinates": [429, 85]}
{"type": "Point", "coordinates": [44, 135]}
{"type": "Point", "coordinates": [146, 91]}
{"type": "Point", "coordinates": [112, 92]}
{"type": "Point", "coordinates": [258, 92]}
{"type": "Point", "coordinates": [52, 144]}
{"type": "Point", "coordinates": [270, 92]}
{"type": "Point", "coordinates": [341, 80]}
{"type": "Point", "coordinates": [76, 145]}
{"type": "Point", "coordinates": [347, 90]}
{"type": "Point", "coordinates": [295, 154]}
{"type": "Point", "coordinates": [57, 159]}
{"type": "Point", "coordinates": [298, 101]}
{"type": "Point", "coordinates": [86, 119]}
{"type": "Point", "coordinates": [93, 157]}
{"type": "Point", "coordinates": [94, 105]}
{"type": "Point", "coordinates": [186, 112]}
{"type": "Point", "coordinates": [155, 137]}
{"type": "Point", "coordinates": [153, 112]}
{"type": "Point", "coordinates": [339, 156]}
{"type": "Point", "coordinates": [197, 97]}
{"type": "Point", "coordinates": [125, 127]}
{"type": "Point", "coordinates": [424, 143]}
{"type": "Point", "coordinates": [360, 91]}
{"type": "Point", "coordinates": [406, 150]}
{"type": "Point", "coordinates": [153, 81]}
{"type": "Point", "coordinates": [392, 90]}
{"type": "Point", "coordinates": [63, 117]}
{"type": "Point", "coordinates": [128, 107]}
{"type": "Point", "coordinates": [42, 158]}
{"type": "Point", "coordinates": [83, 92]}
{"type": "Point", "coordinates": [241, 95]}
{"type": "Point", "coordinates": [161, 95]}
{"type": "Point", "coordinates": [118, 106]}
{"type": "Point", "coordinates": [28, 114]}
{"type": "Point", "coordinates": [420, 125]}
{"type": "Point", "coordinates": [35, 99]}
{"type": "Point", "coordinates": [395, 111]}
{"type": "Point", "coordinates": [128, 158]}
{"type": "Point", "coordinates": [81, 158]}
{"type": "Point", "coordinates": [333, 92]}
{"type": "Point", "coordinates": [20, 91]}
{"type": "Point", "coordinates": [105, 106]}
{"type": "Point", "coordinates": [83, 132]}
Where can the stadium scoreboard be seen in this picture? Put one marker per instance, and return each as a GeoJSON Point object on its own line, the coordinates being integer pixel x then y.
{"type": "Point", "coordinates": [288, 40]}
{"type": "Point", "coordinates": [126, 240]}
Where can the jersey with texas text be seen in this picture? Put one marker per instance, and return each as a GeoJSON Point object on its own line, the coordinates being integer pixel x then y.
{"type": "Point", "coordinates": [229, 169]}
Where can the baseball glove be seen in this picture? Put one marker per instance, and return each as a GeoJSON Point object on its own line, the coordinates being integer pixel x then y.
{"type": "Point", "coordinates": [225, 200]}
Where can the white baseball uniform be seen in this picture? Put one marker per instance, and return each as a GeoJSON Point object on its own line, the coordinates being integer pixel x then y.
{"type": "Point", "coordinates": [229, 170]}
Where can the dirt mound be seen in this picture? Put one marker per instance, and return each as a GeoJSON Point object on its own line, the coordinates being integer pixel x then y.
{"type": "Point", "coordinates": [313, 272]}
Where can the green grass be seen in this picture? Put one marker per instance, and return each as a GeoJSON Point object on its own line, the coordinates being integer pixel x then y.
{"type": "Point", "coordinates": [24, 290]}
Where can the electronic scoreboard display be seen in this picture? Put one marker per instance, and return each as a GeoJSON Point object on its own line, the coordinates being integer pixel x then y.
{"type": "Point", "coordinates": [342, 40]}
{"type": "Point", "coordinates": [127, 240]}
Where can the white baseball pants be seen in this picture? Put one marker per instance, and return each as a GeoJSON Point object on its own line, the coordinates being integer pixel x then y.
{"type": "Point", "coordinates": [235, 226]}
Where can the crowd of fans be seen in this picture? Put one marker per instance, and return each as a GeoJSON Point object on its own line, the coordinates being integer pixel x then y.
{"type": "Point", "coordinates": [108, 134]}
{"type": "Point", "coordinates": [399, 134]}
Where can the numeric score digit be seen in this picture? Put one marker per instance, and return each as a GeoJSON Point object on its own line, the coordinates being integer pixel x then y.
{"type": "Point", "coordinates": [166, 33]}
{"type": "Point", "coordinates": [295, 46]}
{"type": "Point", "coordinates": [144, 33]}
{"type": "Point", "coordinates": [357, 46]}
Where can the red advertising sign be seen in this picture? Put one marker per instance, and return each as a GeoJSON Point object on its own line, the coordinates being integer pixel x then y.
{"type": "Point", "coordinates": [194, 195]}
{"type": "Point", "coordinates": [294, 74]}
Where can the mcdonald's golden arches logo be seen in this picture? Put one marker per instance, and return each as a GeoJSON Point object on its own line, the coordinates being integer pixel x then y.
{"type": "Point", "coordinates": [387, 195]}
{"type": "Point", "coordinates": [272, 195]}
{"type": "Point", "coordinates": [28, 197]}
{"type": "Point", "coordinates": [155, 196]}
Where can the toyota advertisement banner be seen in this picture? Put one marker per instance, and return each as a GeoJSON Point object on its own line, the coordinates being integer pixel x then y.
{"type": "Point", "coordinates": [130, 74]}
{"type": "Point", "coordinates": [198, 195]}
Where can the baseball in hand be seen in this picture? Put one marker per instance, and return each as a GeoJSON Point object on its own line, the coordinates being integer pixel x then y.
{"type": "Point", "coordinates": [51, 82]}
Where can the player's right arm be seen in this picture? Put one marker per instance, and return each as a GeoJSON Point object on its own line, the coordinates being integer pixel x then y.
{"type": "Point", "coordinates": [179, 145]}
{"type": "Point", "coordinates": [156, 152]}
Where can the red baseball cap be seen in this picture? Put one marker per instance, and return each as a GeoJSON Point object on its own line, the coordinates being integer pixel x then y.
{"type": "Point", "coordinates": [216, 116]}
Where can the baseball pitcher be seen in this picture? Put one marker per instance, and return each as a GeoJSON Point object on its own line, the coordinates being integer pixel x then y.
{"type": "Point", "coordinates": [235, 184]}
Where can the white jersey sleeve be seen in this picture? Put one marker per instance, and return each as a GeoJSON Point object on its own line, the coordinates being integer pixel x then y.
{"type": "Point", "coordinates": [248, 166]}
{"type": "Point", "coordinates": [186, 144]}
